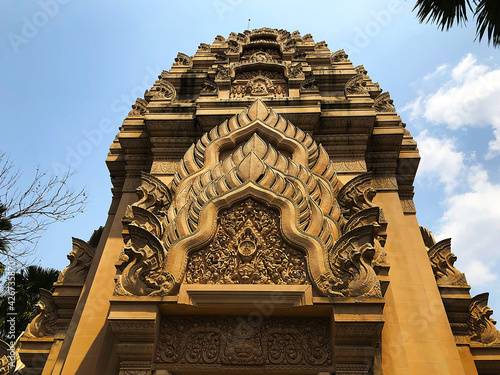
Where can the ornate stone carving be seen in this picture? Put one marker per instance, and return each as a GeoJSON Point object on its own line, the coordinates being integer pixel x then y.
{"type": "Point", "coordinates": [309, 85]}
{"type": "Point", "coordinates": [233, 46]}
{"type": "Point", "coordinates": [321, 45]}
{"type": "Point", "coordinates": [248, 249]}
{"type": "Point", "coordinates": [361, 70]}
{"type": "Point", "coordinates": [408, 206]}
{"type": "Point", "coordinates": [356, 85]}
{"type": "Point", "coordinates": [209, 88]}
{"type": "Point", "coordinates": [165, 90]}
{"type": "Point", "coordinates": [141, 266]}
{"type": "Point", "coordinates": [183, 60]}
{"type": "Point", "coordinates": [351, 261]}
{"type": "Point", "coordinates": [384, 103]}
{"type": "Point", "coordinates": [295, 71]}
{"type": "Point", "coordinates": [204, 47]}
{"type": "Point", "coordinates": [307, 38]}
{"type": "Point", "coordinates": [442, 261]}
{"type": "Point", "coordinates": [338, 56]}
{"type": "Point", "coordinates": [356, 195]}
{"type": "Point", "coordinates": [220, 38]}
{"type": "Point", "coordinates": [44, 323]}
{"type": "Point", "coordinates": [153, 196]}
{"type": "Point", "coordinates": [164, 167]}
{"type": "Point", "coordinates": [223, 73]}
{"type": "Point", "coordinates": [221, 57]}
{"type": "Point", "coordinates": [299, 55]}
{"type": "Point", "coordinates": [80, 260]}
{"type": "Point", "coordinates": [139, 109]}
{"type": "Point", "coordinates": [276, 343]}
{"type": "Point", "coordinates": [480, 323]}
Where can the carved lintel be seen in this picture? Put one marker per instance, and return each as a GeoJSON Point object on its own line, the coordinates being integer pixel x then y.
{"type": "Point", "coordinates": [80, 260]}
{"type": "Point", "coordinates": [442, 262]}
{"type": "Point", "coordinates": [480, 323]}
{"type": "Point", "coordinates": [356, 85]}
{"type": "Point", "coordinates": [44, 324]}
{"type": "Point", "coordinates": [384, 103]}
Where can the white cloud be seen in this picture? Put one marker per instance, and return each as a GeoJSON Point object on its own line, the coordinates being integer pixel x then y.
{"type": "Point", "coordinates": [468, 100]}
{"type": "Point", "coordinates": [472, 220]}
{"type": "Point", "coordinates": [439, 70]}
{"type": "Point", "coordinates": [440, 161]}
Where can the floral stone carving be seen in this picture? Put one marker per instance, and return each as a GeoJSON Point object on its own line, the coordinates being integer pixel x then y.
{"type": "Point", "coordinates": [80, 260]}
{"type": "Point", "coordinates": [45, 322]}
{"type": "Point", "coordinates": [480, 323]}
{"type": "Point", "coordinates": [442, 261]}
{"type": "Point", "coordinates": [278, 342]}
{"type": "Point", "coordinates": [247, 249]}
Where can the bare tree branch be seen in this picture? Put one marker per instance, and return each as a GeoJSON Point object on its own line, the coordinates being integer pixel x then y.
{"type": "Point", "coordinates": [32, 209]}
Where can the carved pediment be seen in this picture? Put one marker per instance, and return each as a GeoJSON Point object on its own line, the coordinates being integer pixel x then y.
{"type": "Point", "coordinates": [254, 201]}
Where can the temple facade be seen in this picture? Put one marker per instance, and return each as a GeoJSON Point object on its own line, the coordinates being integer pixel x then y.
{"type": "Point", "coordinates": [262, 221]}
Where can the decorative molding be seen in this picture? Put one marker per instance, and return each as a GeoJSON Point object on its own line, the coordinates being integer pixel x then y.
{"type": "Point", "coordinates": [80, 258]}
{"type": "Point", "coordinates": [442, 262]}
{"type": "Point", "coordinates": [349, 165]}
{"type": "Point", "coordinates": [408, 206]}
{"type": "Point", "coordinates": [387, 183]}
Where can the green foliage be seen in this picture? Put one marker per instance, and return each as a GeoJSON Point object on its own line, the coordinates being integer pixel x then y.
{"type": "Point", "coordinates": [27, 284]}
{"type": "Point", "coordinates": [445, 13]}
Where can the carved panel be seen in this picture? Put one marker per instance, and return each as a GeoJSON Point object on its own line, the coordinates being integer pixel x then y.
{"type": "Point", "coordinates": [248, 249]}
{"type": "Point", "coordinates": [287, 343]}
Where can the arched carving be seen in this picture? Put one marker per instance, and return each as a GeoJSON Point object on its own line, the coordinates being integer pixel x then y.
{"type": "Point", "coordinates": [259, 160]}
{"type": "Point", "coordinates": [183, 60]}
{"type": "Point", "coordinates": [338, 56]}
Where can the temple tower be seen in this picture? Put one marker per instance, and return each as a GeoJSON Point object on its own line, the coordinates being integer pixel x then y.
{"type": "Point", "coordinates": [262, 221]}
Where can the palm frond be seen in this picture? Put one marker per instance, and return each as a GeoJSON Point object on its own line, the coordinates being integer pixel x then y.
{"type": "Point", "coordinates": [442, 12]}
{"type": "Point", "coordinates": [487, 19]}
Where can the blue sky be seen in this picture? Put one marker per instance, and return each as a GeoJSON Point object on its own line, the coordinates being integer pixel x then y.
{"type": "Point", "coordinates": [71, 69]}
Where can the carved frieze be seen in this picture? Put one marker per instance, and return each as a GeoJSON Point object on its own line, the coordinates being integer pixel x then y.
{"type": "Point", "coordinates": [442, 262]}
{"type": "Point", "coordinates": [191, 342]}
{"type": "Point", "coordinates": [80, 260]}
{"type": "Point", "coordinates": [248, 249]}
{"type": "Point", "coordinates": [45, 322]}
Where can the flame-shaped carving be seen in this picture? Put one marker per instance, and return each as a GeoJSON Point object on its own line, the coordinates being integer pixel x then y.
{"type": "Point", "coordinates": [480, 323]}
{"type": "Point", "coordinates": [259, 158]}
{"type": "Point", "coordinates": [80, 259]}
{"type": "Point", "coordinates": [45, 322]}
